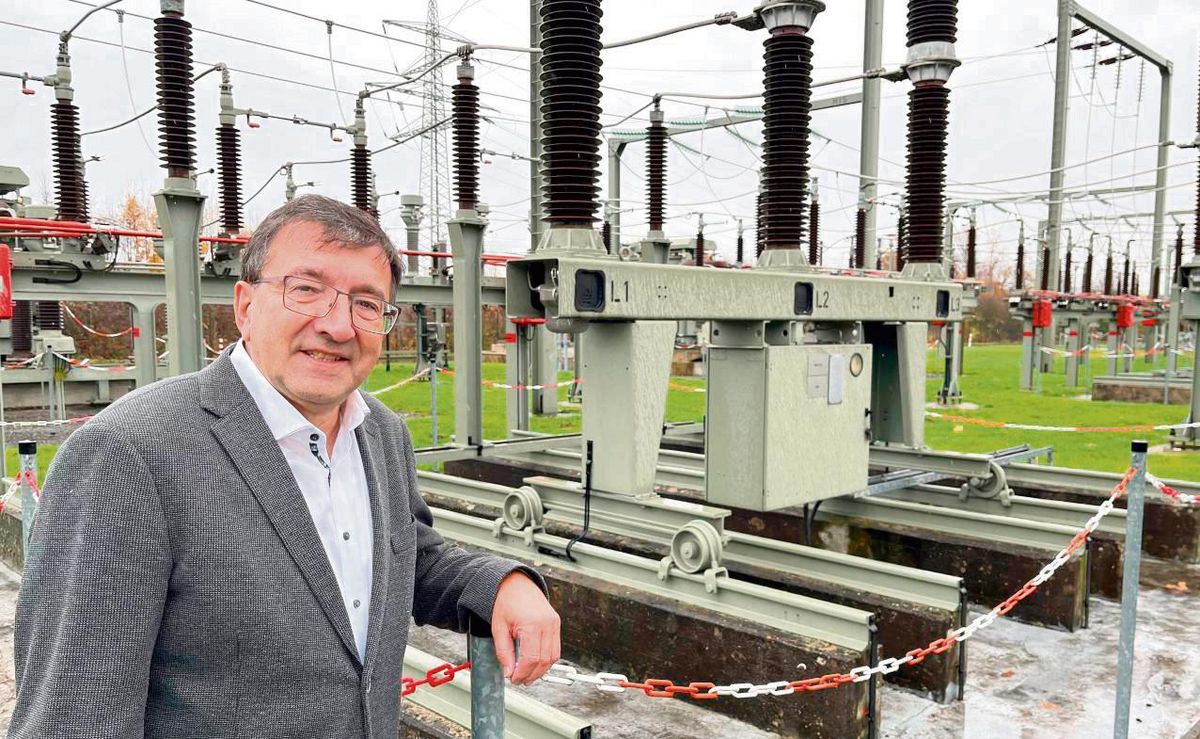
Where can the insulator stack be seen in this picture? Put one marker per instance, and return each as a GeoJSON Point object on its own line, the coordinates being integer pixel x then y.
{"type": "Point", "coordinates": [814, 222]}
{"type": "Point", "coordinates": [1133, 284]}
{"type": "Point", "coordinates": [606, 235]}
{"type": "Point", "coordinates": [901, 241]}
{"type": "Point", "coordinates": [1066, 277]}
{"type": "Point", "coordinates": [1154, 282]}
{"type": "Point", "coordinates": [68, 163]}
{"type": "Point", "coordinates": [465, 110]}
{"type": "Point", "coordinates": [22, 327]}
{"type": "Point", "coordinates": [860, 239]}
{"type": "Point", "coordinates": [360, 177]}
{"type": "Point", "coordinates": [760, 225]}
{"type": "Point", "coordinates": [1108, 274]}
{"type": "Point", "coordinates": [49, 315]}
{"type": "Point", "coordinates": [1087, 272]}
{"type": "Point", "coordinates": [229, 160]}
{"type": "Point", "coordinates": [1125, 276]}
{"type": "Point", "coordinates": [1179, 251]}
{"type": "Point", "coordinates": [930, 22]}
{"type": "Point", "coordinates": [656, 170]}
{"type": "Point", "coordinates": [928, 116]}
{"type": "Point", "coordinates": [787, 94]}
{"type": "Point", "coordinates": [700, 248]}
{"type": "Point", "coordinates": [878, 260]}
{"type": "Point", "coordinates": [971, 250]}
{"type": "Point", "coordinates": [570, 110]}
{"type": "Point", "coordinates": [1045, 268]}
{"type": "Point", "coordinates": [173, 61]}
{"type": "Point", "coordinates": [740, 253]}
{"type": "Point", "coordinates": [1019, 282]}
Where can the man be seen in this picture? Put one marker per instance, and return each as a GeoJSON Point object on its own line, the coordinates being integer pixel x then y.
{"type": "Point", "coordinates": [238, 552]}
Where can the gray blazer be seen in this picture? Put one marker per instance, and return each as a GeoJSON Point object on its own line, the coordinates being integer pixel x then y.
{"type": "Point", "coordinates": [176, 586]}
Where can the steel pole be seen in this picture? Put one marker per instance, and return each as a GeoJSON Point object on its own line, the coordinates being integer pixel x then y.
{"type": "Point", "coordinates": [1129, 593]}
{"type": "Point", "coordinates": [1058, 153]}
{"type": "Point", "coordinates": [27, 480]}
{"type": "Point", "coordinates": [868, 158]}
{"type": "Point", "coordinates": [1160, 178]}
{"type": "Point", "coordinates": [487, 686]}
{"type": "Point", "coordinates": [466, 245]}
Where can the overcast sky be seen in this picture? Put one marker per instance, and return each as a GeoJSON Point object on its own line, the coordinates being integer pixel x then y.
{"type": "Point", "coordinates": [1000, 106]}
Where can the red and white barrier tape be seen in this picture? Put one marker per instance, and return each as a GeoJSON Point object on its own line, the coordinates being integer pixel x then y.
{"type": "Point", "coordinates": [503, 386]}
{"type": "Point", "coordinates": [400, 384]}
{"type": "Point", "coordinates": [88, 328]}
{"type": "Point", "coordinates": [1080, 429]}
{"type": "Point", "coordinates": [87, 364]}
{"type": "Point", "coordinates": [609, 682]}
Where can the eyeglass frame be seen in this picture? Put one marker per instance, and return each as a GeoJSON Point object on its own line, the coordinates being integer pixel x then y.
{"type": "Point", "coordinates": [282, 279]}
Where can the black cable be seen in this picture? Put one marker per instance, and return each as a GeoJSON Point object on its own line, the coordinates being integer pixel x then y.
{"type": "Point", "coordinates": [587, 501]}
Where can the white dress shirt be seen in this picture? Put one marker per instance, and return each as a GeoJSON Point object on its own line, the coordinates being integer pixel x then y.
{"type": "Point", "coordinates": [335, 488]}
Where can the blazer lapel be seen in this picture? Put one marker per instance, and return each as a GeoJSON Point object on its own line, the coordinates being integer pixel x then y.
{"type": "Point", "coordinates": [244, 435]}
{"type": "Point", "coordinates": [375, 467]}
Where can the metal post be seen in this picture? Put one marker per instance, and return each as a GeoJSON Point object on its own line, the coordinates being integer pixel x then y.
{"type": "Point", "coordinates": [1058, 153]}
{"type": "Point", "coordinates": [1074, 345]}
{"type": "Point", "coordinates": [145, 357]}
{"type": "Point", "coordinates": [1160, 178]}
{"type": "Point", "coordinates": [1129, 593]}
{"type": "Point", "coordinates": [179, 205]}
{"type": "Point", "coordinates": [466, 245]}
{"type": "Point", "coordinates": [1028, 355]}
{"type": "Point", "coordinates": [1114, 347]}
{"type": "Point", "coordinates": [433, 404]}
{"type": "Point", "coordinates": [27, 480]}
{"type": "Point", "coordinates": [868, 158]}
{"type": "Point", "coordinates": [487, 684]}
{"type": "Point", "coordinates": [616, 149]}
{"type": "Point", "coordinates": [543, 354]}
{"type": "Point", "coordinates": [410, 213]}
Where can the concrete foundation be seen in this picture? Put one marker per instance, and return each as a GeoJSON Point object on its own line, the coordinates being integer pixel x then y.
{"type": "Point", "coordinates": [1179, 390]}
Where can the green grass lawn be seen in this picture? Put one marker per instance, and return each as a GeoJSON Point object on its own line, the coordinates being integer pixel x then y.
{"type": "Point", "coordinates": [990, 380]}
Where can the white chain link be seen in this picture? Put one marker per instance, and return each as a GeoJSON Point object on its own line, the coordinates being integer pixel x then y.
{"type": "Point", "coordinates": [1162, 487]}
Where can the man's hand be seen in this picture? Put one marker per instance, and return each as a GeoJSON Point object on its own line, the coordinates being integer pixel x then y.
{"type": "Point", "coordinates": [521, 612]}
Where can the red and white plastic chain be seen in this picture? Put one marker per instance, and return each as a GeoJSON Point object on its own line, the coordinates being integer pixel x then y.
{"type": "Point", "coordinates": [1170, 492]}
{"type": "Point", "coordinates": [609, 682]}
{"type": "Point", "coordinates": [30, 479]}
{"type": "Point", "coordinates": [503, 386]}
{"type": "Point", "coordinates": [439, 675]}
{"type": "Point", "coordinates": [88, 328]}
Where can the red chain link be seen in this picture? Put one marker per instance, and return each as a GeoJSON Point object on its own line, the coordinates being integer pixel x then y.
{"type": "Point", "coordinates": [439, 675]}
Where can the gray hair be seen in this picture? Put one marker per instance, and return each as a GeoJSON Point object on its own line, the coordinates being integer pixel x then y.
{"type": "Point", "coordinates": [344, 224]}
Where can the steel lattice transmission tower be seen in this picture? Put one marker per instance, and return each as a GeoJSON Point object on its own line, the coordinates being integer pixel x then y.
{"type": "Point", "coordinates": [435, 159]}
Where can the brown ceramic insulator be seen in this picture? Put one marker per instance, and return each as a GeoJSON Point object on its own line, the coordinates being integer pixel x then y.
{"type": "Point", "coordinates": [360, 177]}
{"type": "Point", "coordinates": [69, 184]}
{"type": "Point", "coordinates": [814, 222]}
{"type": "Point", "coordinates": [928, 113]}
{"type": "Point", "coordinates": [1154, 278]}
{"type": "Point", "coordinates": [1179, 252]}
{"type": "Point", "coordinates": [860, 239]}
{"type": "Point", "coordinates": [1066, 276]}
{"type": "Point", "coordinates": [1045, 268]}
{"type": "Point", "coordinates": [22, 327]}
{"type": "Point", "coordinates": [787, 95]}
{"type": "Point", "coordinates": [229, 164]}
{"type": "Point", "coordinates": [901, 241]}
{"type": "Point", "coordinates": [760, 227]}
{"type": "Point", "coordinates": [49, 315]}
{"type": "Point", "coordinates": [465, 111]}
{"type": "Point", "coordinates": [1019, 278]}
{"type": "Point", "coordinates": [699, 249]}
{"type": "Point", "coordinates": [932, 20]}
{"type": "Point", "coordinates": [176, 124]}
{"type": "Point", "coordinates": [1125, 277]}
{"type": "Point", "coordinates": [606, 235]}
{"type": "Point", "coordinates": [656, 174]}
{"type": "Point", "coordinates": [1108, 274]}
{"type": "Point", "coordinates": [740, 252]}
{"type": "Point", "coordinates": [570, 110]}
{"type": "Point", "coordinates": [1133, 283]}
{"type": "Point", "coordinates": [1087, 272]}
{"type": "Point", "coordinates": [971, 251]}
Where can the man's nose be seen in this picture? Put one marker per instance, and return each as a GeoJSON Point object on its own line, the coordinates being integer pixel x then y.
{"type": "Point", "coordinates": [337, 323]}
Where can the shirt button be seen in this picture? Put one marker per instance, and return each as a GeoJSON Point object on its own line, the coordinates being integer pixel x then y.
{"type": "Point", "coordinates": [356, 603]}
{"type": "Point", "coordinates": [346, 535]}
{"type": "Point", "coordinates": [315, 437]}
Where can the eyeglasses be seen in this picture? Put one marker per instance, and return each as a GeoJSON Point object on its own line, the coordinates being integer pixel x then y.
{"type": "Point", "coordinates": [312, 298]}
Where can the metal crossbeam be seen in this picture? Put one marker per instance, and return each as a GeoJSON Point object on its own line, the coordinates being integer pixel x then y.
{"type": "Point", "coordinates": [713, 590]}
{"type": "Point", "coordinates": [524, 716]}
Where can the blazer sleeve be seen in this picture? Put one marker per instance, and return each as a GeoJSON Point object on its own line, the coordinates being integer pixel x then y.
{"type": "Point", "coordinates": [451, 583]}
{"type": "Point", "coordinates": [96, 576]}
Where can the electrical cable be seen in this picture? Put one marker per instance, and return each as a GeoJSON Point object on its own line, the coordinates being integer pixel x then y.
{"type": "Point", "coordinates": [333, 74]}
{"type": "Point", "coordinates": [147, 111]}
{"type": "Point", "coordinates": [129, 84]}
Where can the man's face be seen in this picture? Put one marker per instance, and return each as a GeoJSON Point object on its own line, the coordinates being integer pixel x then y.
{"type": "Point", "coordinates": [314, 362]}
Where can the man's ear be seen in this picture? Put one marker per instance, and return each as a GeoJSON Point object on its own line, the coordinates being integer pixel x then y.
{"type": "Point", "coordinates": [243, 292]}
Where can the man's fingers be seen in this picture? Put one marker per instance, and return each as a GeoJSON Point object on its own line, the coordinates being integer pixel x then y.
{"type": "Point", "coordinates": [504, 647]}
{"type": "Point", "coordinates": [540, 650]}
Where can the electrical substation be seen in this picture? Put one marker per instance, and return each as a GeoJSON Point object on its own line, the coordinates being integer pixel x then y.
{"type": "Point", "coordinates": [799, 559]}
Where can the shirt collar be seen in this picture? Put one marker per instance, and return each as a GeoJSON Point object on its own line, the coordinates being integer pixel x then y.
{"type": "Point", "coordinates": [281, 416]}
